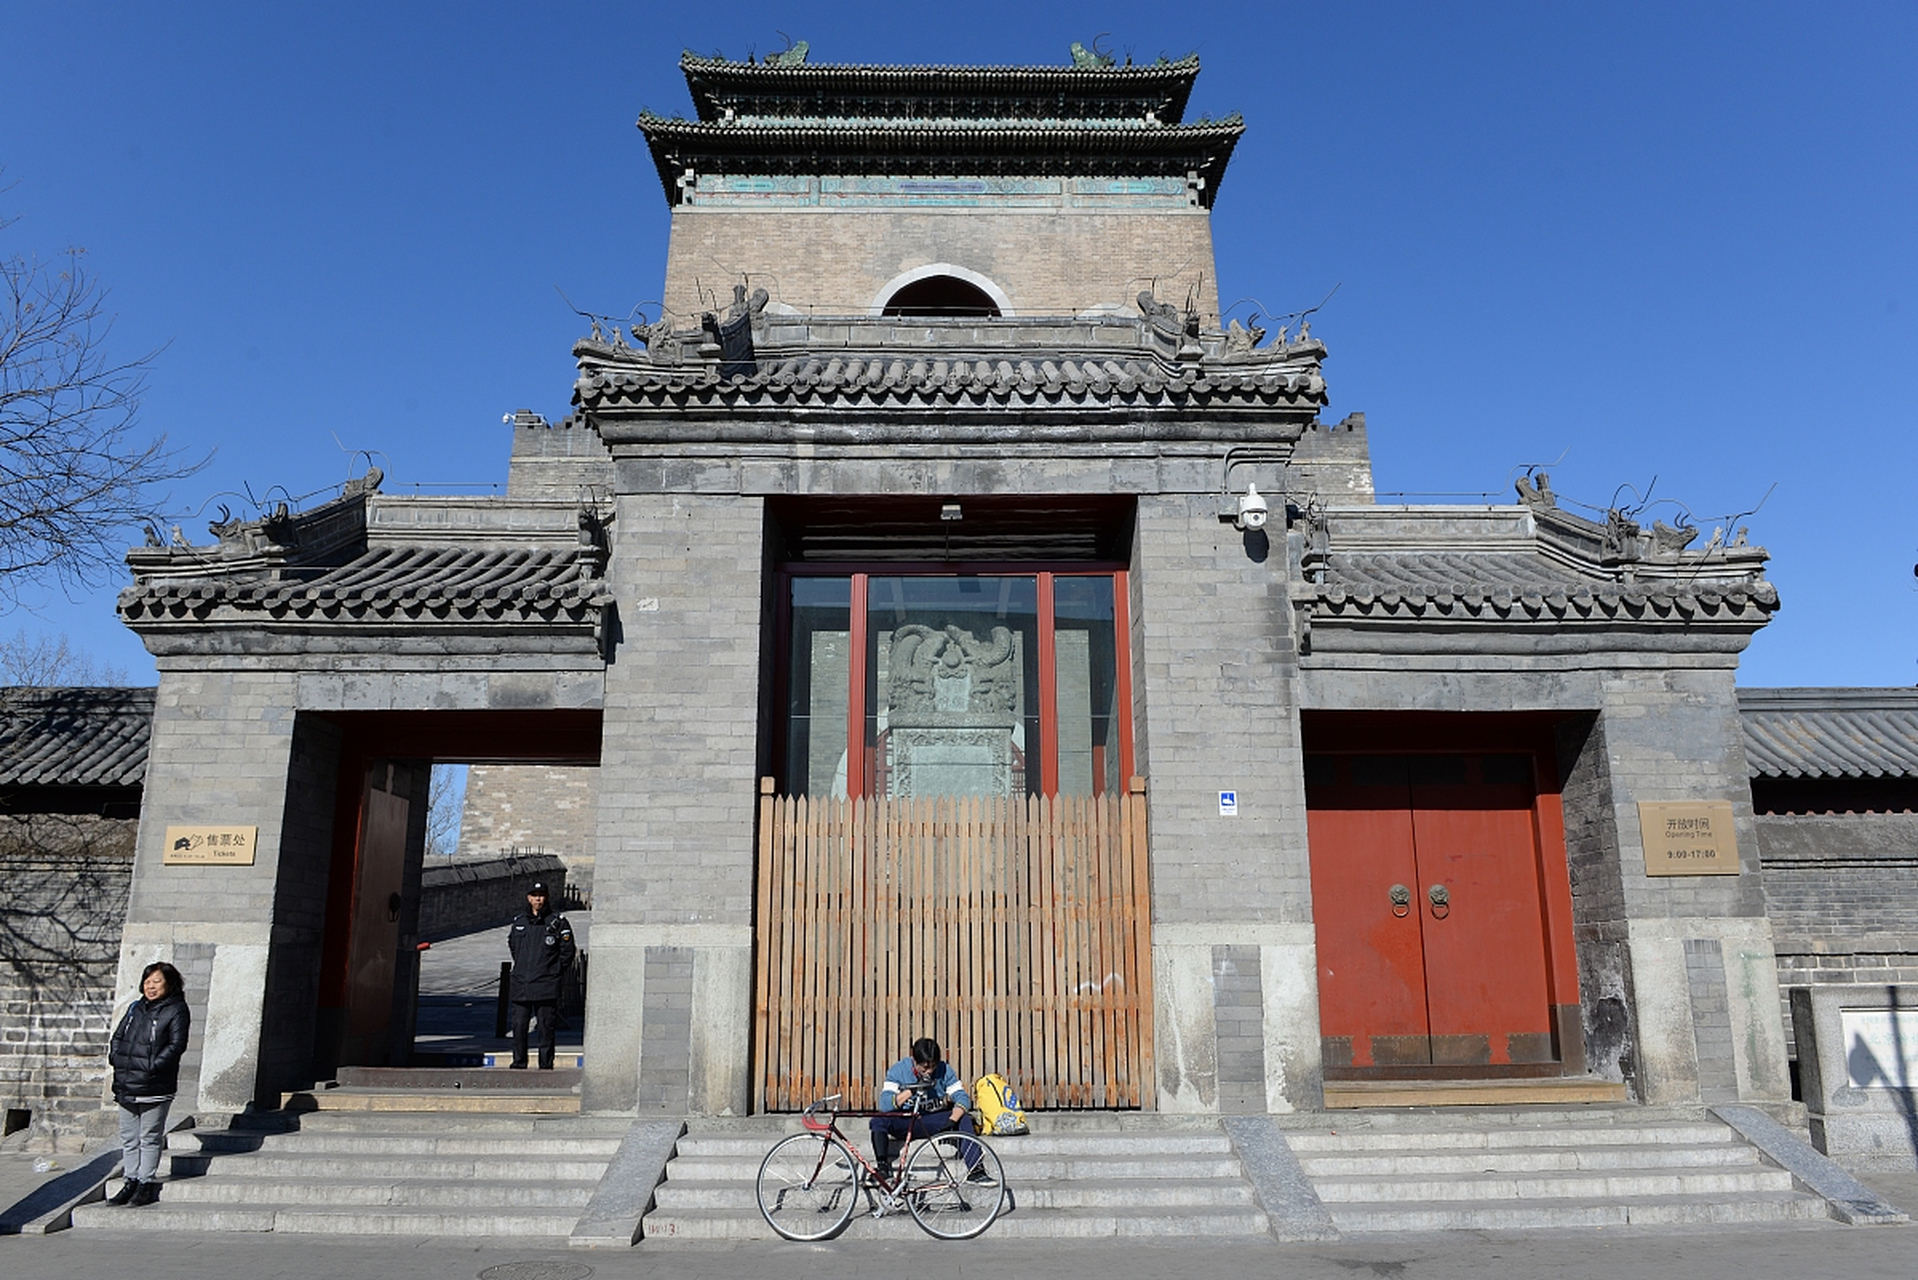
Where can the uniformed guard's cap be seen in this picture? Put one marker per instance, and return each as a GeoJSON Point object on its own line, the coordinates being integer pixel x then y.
{"type": "Point", "coordinates": [538, 886]}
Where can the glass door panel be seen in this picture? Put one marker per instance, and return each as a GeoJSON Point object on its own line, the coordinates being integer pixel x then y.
{"type": "Point", "coordinates": [952, 685]}
{"type": "Point", "coordinates": [818, 684]}
{"type": "Point", "coordinates": [1086, 685]}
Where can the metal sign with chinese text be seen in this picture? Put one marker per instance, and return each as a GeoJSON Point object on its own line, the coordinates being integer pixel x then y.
{"type": "Point", "coordinates": [1694, 838]}
{"type": "Point", "coordinates": [211, 846]}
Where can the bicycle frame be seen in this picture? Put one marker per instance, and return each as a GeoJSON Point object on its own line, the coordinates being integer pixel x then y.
{"type": "Point", "coordinates": [892, 1187]}
{"type": "Point", "coordinates": [809, 1182]}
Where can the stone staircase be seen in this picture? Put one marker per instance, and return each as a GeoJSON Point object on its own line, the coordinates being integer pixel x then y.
{"type": "Point", "coordinates": [1540, 1169]}
{"type": "Point", "coordinates": [361, 1166]}
{"type": "Point", "coordinates": [1072, 1176]}
{"type": "Point", "coordinates": [384, 1172]}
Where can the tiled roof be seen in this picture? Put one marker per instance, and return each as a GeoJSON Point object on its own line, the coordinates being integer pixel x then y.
{"type": "Point", "coordinates": [943, 148]}
{"type": "Point", "coordinates": [1830, 733]}
{"type": "Point", "coordinates": [74, 737]}
{"type": "Point", "coordinates": [1524, 584]}
{"type": "Point", "coordinates": [922, 380]}
{"type": "Point", "coordinates": [399, 583]}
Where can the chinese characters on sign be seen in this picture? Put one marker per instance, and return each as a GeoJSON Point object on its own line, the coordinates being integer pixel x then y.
{"type": "Point", "coordinates": [215, 846]}
{"type": "Point", "coordinates": [1690, 839]}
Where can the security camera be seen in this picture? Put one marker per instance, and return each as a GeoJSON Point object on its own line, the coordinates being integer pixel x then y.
{"type": "Point", "coordinates": [1252, 510]}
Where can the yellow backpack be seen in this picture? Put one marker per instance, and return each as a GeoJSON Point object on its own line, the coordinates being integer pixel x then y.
{"type": "Point", "coordinates": [999, 1112]}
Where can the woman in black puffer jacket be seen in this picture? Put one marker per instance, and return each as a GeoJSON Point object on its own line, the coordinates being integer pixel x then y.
{"type": "Point", "coordinates": [145, 1056]}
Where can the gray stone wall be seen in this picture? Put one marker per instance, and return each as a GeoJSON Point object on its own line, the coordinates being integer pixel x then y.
{"type": "Point", "coordinates": [680, 759]}
{"type": "Point", "coordinates": [288, 1023]}
{"type": "Point", "coordinates": [222, 751]}
{"type": "Point", "coordinates": [66, 879]}
{"type": "Point", "coordinates": [466, 896]}
{"type": "Point", "coordinates": [1333, 462]}
{"type": "Point", "coordinates": [533, 809]}
{"type": "Point", "coordinates": [1842, 892]}
{"type": "Point", "coordinates": [1216, 662]}
{"type": "Point", "coordinates": [1674, 735]}
{"type": "Point", "coordinates": [1598, 899]}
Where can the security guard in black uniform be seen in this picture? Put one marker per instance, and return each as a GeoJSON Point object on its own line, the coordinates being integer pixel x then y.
{"type": "Point", "coordinates": [542, 945]}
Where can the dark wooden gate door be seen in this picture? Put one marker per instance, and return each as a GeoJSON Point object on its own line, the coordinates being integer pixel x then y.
{"type": "Point", "coordinates": [1431, 911]}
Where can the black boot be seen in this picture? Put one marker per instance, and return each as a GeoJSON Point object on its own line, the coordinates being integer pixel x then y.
{"type": "Point", "coordinates": [129, 1188]}
{"type": "Point", "coordinates": [147, 1194]}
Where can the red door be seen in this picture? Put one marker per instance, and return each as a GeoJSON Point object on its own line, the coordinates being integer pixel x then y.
{"type": "Point", "coordinates": [1430, 911]}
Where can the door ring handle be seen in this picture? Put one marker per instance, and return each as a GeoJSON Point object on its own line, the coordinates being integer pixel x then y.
{"type": "Point", "coordinates": [1441, 899]}
{"type": "Point", "coordinates": [1401, 900]}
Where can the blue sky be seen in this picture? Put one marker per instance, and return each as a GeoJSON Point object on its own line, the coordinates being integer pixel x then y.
{"type": "Point", "coordinates": [1661, 240]}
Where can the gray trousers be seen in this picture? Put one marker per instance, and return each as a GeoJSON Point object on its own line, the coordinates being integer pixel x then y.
{"type": "Point", "coordinates": [142, 1136]}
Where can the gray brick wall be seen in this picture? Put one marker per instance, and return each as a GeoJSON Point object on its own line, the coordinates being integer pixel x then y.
{"type": "Point", "coordinates": [666, 1036]}
{"type": "Point", "coordinates": [66, 880]}
{"type": "Point", "coordinates": [299, 913]}
{"type": "Point", "coordinates": [533, 808]}
{"type": "Point", "coordinates": [1598, 897]}
{"type": "Point", "coordinates": [680, 753]}
{"type": "Point", "coordinates": [1842, 890]}
{"type": "Point", "coordinates": [1238, 1012]}
{"type": "Point", "coordinates": [1711, 1020]}
{"type": "Point", "coordinates": [1218, 664]}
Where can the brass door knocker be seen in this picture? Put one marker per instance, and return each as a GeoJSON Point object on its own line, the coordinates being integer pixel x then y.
{"type": "Point", "coordinates": [1441, 901]}
{"type": "Point", "coordinates": [1401, 900]}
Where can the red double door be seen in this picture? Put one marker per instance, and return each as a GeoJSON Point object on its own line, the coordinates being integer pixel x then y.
{"type": "Point", "coordinates": [1443, 907]}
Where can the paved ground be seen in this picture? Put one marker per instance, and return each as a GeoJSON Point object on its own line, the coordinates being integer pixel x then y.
{"type": "Point", "coordinates": [1864, 1253]}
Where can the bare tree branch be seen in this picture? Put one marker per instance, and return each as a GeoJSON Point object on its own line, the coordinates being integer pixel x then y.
{"type": "Point", "coordinates": [47, 661]}
{"type": "Point", "coordinates": [445, 807]}
{"type": "Point", "coordinates": [74, 470]}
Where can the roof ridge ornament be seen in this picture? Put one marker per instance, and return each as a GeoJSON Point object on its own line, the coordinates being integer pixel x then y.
{"type": "Point", "coordinates": [1093, 59]}
{"type": "Point", "coordinates": [793, 55]}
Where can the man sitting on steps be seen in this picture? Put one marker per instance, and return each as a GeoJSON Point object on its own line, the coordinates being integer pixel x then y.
{"type": "Point", "coordinates": [945, 1106]}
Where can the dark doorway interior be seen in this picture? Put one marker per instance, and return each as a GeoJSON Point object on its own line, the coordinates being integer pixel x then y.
{"type": "Point", "coordinates": [941, 296]}
{"type": "Point", "coordinates": [369, 958]}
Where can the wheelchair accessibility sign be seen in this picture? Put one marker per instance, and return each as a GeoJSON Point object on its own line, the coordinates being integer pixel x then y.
{"type": "Point", "coordinates": [1228, 804]}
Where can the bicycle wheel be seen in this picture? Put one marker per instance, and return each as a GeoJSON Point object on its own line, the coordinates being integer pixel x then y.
{"type": "Point", "coordinates": [949, 1198]}
{"type": "Point", "coordinates": [808, 1187]}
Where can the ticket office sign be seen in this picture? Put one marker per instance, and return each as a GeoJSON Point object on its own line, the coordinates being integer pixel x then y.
{"type": "Point", "coordinates": [1694, 838]}
{"type": "Point", "coordinates": [210, 846]}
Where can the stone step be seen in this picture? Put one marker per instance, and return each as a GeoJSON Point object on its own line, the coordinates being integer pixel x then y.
{"type": "Point", "coordinates": [455, 1101]}
{"type": "Point", "coordinates": [505, 1146]}
{"type": "Point", "coordinates": [1615, 1185]}
{"type": "Point", "coordinates": [559, 1079]}
{"type": "Point", "coordinates": [1753, 1208]}
{"type": "Point", "coordinates": [1018, 1167]}
{"type": "Point", "coordinates": [221, 1188]}
{"type": "Point", "coordinates": [360, 1220]}
{"type": "Point", "coordinates": [743, 1145]}
{"type": "Point", "coordinates": [1136, 1194]}
{"type": "Point", "coordinates": [266, 1165]}
{"type": "Point", "coordinates": [385, 1123]}
{"type": "Point", "coordinates": [1344, 1139]}
{"type": "Point", "coordinates": [1021, 1223]}
{"type": "Point", "coordinates": [1524, 1160]}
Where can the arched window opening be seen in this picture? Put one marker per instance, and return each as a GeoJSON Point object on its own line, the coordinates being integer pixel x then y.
{"type": "Point", "coordinates": [940, 296]}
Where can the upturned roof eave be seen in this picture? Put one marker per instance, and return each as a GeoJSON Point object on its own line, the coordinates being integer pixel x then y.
{"type": "Point", "coordinates": [949, 151]}
{"type": "Point", "coordinates": [707, 76]}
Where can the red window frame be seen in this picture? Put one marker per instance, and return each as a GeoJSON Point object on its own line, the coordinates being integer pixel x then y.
{"type": "Point", "coordinates": [862, 572]}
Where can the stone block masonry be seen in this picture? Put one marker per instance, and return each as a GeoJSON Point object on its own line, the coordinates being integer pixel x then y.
{"type": "Point", "coordinates": [681, 755]}
{"type": "Point", "coordinates": [1047, 262]}
{"type": "Point", "coordinates": [533, 810]}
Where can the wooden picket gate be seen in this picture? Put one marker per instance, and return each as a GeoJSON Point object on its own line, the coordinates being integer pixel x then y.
{"type": "Point", "coordinates": [1015, 931]}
